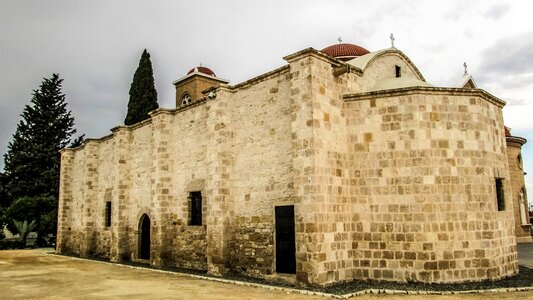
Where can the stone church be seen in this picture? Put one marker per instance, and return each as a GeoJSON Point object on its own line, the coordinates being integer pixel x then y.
{"type": "Point", "coordinates": [344, 164]}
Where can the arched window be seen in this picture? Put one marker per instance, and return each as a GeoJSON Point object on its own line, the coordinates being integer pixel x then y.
{"type": "Point", "coordinates": [519, 158]}
{"type": "Point", "coordinates": [186, 99]}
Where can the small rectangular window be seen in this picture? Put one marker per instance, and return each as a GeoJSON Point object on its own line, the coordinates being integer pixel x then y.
{"type": "Point", "coordinates": [108, 213]}
{"type": "Point", "coordinates": [195, 205]}
{"type": "Point", "coordinates": [398, 71]}
{"type": "Point", "coordinates": [499, 194]}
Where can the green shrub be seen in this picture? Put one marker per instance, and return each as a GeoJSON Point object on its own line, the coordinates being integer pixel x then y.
{"type": "Point", "coordinates": [11, 244]}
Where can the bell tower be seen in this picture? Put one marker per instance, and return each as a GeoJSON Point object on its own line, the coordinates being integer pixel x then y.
{"type": "Point", "coordinates": [189, 88]}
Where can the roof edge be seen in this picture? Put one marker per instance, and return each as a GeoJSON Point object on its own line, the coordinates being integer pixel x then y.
{"type": "Point", "coordinates": [196, 73]}
{"type": "Point", "coordinates": [153, 113]}
{"type": "Point", "coordinates": [375, 54]}
{"type": "Point", "coordinates": [515, 139]}
{"type": "Point", "coordinates": [260, 78]}
{"type": "Point", "coordinates": [312, 52]}
{"type": "Point", "coordinates": [426, 90]}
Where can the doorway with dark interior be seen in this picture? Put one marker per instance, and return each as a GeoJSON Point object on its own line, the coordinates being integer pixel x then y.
{"type": "Point", "coordinates": [144, 237]}
{"type": "Point", "coordinates": [285, 240]}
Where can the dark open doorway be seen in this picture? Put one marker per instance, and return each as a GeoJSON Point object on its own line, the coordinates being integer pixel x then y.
{"type": "Point", "coordinates": [285, 240]}
{"type": "Point", "coordinates": [144, 237]}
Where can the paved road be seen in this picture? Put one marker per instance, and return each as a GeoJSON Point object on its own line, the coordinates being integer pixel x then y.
{"type": "Point", "coordinates": [525, 254]}
{"type": "Point", "coordinates": [32, 274]}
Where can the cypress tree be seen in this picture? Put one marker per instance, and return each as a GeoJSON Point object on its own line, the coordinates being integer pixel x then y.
{"type": "Point", "coordinates": [143, 95]}
{"type": "Point", "coordinates": [31, 164]}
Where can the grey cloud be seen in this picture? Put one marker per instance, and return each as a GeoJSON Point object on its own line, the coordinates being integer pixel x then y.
{"type": "Point", "coordinates": [509, 82]}
{"type": "Point", "coordinates": [458, 10]}
{"type": "Point", "coordinates": [469, 9]}
{"type": "Point", "coordinates": [515, 101]}
{"type": "Point", "coordinates": [95, 45]}
{"type": "Point", "coordinates": [508, 56]}
{"type": "Point", "coordinates": [507, 63]}
{"type": "Point", "coordinates": [496, 12]}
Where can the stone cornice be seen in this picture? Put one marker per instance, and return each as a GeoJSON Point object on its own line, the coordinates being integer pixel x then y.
{"type": "Point", "coordinates": [314, 53]}
{"type": "Point", "coordinates": [519, 141]}
{"type": "Point", "coordinates": [152, 114]}
{"type": "Point", "coordinates": [201, 75]}
{"type": "Point", "coordinates": [260, 78]}
{"type": "Point", "coordinates": [426, 91]}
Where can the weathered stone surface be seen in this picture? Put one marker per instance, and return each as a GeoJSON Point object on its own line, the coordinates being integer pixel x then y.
{"type": "Point", "coordinates": [518, 189]}
{"type": "Point", "coordinates": [388, 185]}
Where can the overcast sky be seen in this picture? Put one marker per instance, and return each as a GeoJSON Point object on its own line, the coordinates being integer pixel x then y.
{"type": "Point", "coordinates": [95, 46]}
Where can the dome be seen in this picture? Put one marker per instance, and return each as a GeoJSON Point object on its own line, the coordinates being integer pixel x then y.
{"type": "Point", "coordinates": [203, 70]}
{"type": "Point", "coordinates": [345, 52]}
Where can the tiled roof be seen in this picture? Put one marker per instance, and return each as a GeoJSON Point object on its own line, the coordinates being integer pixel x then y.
{"type": "Point", "coordinates": [202, 70]}
{"type": "Point", "coordinates": [345, 51]}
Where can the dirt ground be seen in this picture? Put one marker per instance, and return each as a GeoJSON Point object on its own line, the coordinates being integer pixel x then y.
{"type": "Point", "coordinates": [34, 274]}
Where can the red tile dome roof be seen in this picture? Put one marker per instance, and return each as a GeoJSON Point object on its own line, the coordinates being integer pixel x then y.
{"type": "Point", "coordinates": [203, 70]}
{"type": "Point", "coordinates": [345, 51]}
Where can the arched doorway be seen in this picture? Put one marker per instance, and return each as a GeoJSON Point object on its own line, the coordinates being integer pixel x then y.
{"type": "Point", "coordinates": [144, 237]}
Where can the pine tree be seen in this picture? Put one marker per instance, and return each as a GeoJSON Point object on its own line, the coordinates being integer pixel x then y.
{"type": "Point", "coordinates": [31, 164]}
{"type": "Point", "coordinates": [143, 95]}
{"type": "Point", "coordinates": [3, 202]}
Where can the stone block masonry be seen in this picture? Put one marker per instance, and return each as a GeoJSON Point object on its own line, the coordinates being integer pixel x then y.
{"type": "Point", "coordinates": [518, 188]}
{"type": "Point", "coordinates": [429, 183]}
{"type": "Point", "coordinates": [396, 184]}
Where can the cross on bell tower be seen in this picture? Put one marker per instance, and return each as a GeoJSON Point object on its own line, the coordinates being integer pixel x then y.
{"type": "Point", "coordinates": [392, 40]}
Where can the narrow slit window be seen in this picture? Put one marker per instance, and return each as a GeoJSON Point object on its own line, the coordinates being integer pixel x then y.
{"type": "Point", "coordinates": [524, 213]}
{"type": "Point", "coordinates": [398, 71]}
{"type": "Point", "coordinates": [108, 213]}
{"type": "Point", "coordinates": [500, 194]}
{"type": "Point", "coordinates": [195, 200]}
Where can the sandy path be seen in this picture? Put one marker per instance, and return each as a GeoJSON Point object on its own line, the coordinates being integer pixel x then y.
{"type": "Point", "coordinates": [32, 274]}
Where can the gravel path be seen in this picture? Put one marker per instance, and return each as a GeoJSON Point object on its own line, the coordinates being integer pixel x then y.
{"type": "Point", "coordinates": [523, 280]}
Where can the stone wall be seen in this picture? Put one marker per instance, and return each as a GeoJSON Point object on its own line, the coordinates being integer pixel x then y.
{"type": "Point", "coordinates": [120, 168]}
{"type": "Point", "coordinates": [321, 211]}
{"type": "Point", "coordinates": [326, 213]}
{"type": "Point", "coordinates": [262, 169]}
{"type": "Point", "coordinates": [518, 197]}
{"type": "Point", "coordinates": [424, 165]}
{"type": "Point", "coordinates": [388, 185]}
